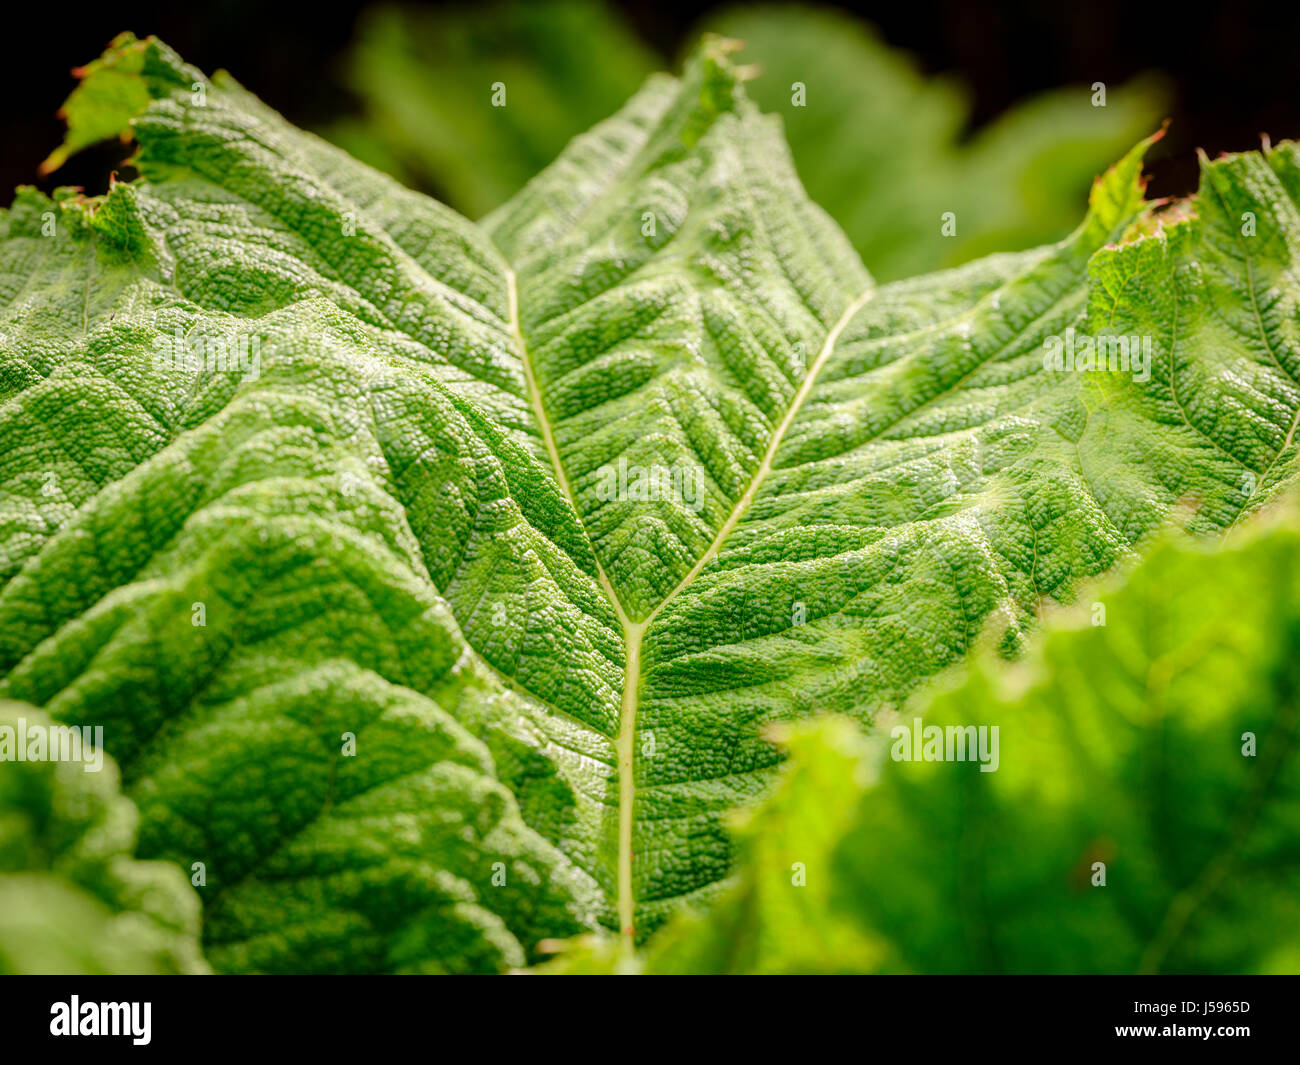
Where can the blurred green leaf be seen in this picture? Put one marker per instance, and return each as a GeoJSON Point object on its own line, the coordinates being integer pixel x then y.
{"type": "Point", "coordinates": [427, 81]}
{"type": "Point", "coordinates": [880, 146]}
{"type": "Point", "coordinates": [72, 899]}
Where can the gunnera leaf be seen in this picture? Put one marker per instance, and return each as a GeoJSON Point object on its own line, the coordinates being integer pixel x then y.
{"type": "Point", "coordinates": [434, 582]}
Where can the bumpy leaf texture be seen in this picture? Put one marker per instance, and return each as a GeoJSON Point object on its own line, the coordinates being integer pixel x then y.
{"type": "Point", "coordinates": [550, 516]}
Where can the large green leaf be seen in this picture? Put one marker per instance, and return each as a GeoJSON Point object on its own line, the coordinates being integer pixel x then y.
{"type": "Point", "coordinates": [1144, 813]}
{"type": "Point", "coordinates": [402, 525]}
{"type": "Point", "coordinates": [218, 569]}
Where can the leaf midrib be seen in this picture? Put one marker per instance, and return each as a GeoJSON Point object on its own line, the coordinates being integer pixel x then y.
{"type": "Point", "coordinates": [634, 631]}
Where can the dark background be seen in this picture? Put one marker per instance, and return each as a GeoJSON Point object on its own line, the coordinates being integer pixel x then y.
{"type": "Point", "coordinates": [1233, 68]}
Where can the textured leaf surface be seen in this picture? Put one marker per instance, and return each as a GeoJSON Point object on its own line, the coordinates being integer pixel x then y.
{"type": "Point", "coordinates": [140, 492]}
{"type": "Point", "coordinates": [1123, 744]}
{"type": "Point", "coordinates": [403, 512]}
{"type": "Point", "coordinates": [72, 898]}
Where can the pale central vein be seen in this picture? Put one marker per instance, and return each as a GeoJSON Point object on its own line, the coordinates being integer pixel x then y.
{"type": "Point", "coordinates": [634, 631]}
